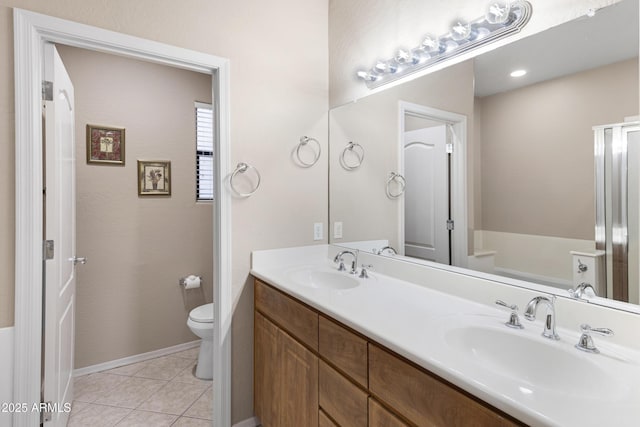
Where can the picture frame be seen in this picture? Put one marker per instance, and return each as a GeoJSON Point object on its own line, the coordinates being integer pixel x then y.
{"type": "Point", "coordinates": [154, 178]}
{"type": "Point", "coordinates": [105, 145]}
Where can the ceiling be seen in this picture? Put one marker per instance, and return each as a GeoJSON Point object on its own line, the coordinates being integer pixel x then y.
{"type": "Point", "coordinates": [608, 37]}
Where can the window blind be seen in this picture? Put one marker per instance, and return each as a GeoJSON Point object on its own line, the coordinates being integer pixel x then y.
{"type": "Point", "coordinates": [204, 151]}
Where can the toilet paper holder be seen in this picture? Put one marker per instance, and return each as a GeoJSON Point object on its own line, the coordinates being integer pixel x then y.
{"type": "Point", "coordinates": [184, 281]}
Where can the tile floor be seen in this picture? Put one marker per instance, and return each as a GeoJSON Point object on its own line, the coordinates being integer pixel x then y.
{"type": "Point", "coordinates": [157, 392]}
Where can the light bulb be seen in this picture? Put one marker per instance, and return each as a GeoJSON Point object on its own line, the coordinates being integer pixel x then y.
{"type": "Point", "coordinates": [431, 44]}
{"type": "Point", "coordinates": [382, 67]}
{"type": "Point", "coordinates": [482, 32]}
{"type": "Point", "coordinates": [406, 56]}
{"type": "Point", "coordinates": [420, 55]}
{"type": "Point", "coordinates": [460, 30]}
{"type": "Point", "coordinates": [450, 45]}
{"type": "Point", "coordinates": [365, 75]}
{"type": "Point", "coordinates": [498, 12]}
{"type": "Point", "coordinates": [518, 73]}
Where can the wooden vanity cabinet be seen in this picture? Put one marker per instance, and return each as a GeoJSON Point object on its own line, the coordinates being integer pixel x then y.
{"type": "Point", "coordinates": [285, 371]}
{"type": "Point", "coordinates": [311, 371]}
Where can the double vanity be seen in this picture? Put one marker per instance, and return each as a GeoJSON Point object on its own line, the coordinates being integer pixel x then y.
{"type": "Point", "coordinates": [422, 345]}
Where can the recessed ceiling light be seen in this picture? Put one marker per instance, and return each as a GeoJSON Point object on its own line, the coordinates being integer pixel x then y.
{"type": "Point", "coordinates": [518, 73]}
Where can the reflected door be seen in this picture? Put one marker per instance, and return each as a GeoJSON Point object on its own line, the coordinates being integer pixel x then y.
{"type": "Point", "coordinates": [426, 198]}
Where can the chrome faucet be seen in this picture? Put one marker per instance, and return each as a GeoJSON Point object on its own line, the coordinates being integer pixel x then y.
{"type": "Point", "coordinates": [354, 263]}
{"type": "Point", "coordinates": [386, 248]}
{"type": "Point", "coordinates": [582, 291]}
{"type": "Point", "coordinates": [550, 320]}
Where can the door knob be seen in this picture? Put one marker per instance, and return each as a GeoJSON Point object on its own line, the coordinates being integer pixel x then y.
{"type": "Point", "coordinates": [78, 260]}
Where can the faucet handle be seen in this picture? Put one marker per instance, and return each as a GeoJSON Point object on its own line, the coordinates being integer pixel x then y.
{"type": "Point", "coordinates": [514, 320]}
{"type": "Point", "coordinates": [363, 273]}
{"type": "Point", "coordinates": [585, 343]}
{"type": "Point", "coordinates": [583, 291]}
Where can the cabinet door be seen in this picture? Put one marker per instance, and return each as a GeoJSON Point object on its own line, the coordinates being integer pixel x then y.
{"type": "Point", "coordinates": [380, 417]}
{"type": "Point", "coordinates": [341, 399]}
{"type": "Point", "coordinates": [298, 384]}
{"type": "Point", "coordinates": [266, 374]}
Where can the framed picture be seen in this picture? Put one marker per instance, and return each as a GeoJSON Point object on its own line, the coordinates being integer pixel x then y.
{"type": "Point", "coordinates": [154, 178]}
{"type": "Point", "coordinates": [105, 145]}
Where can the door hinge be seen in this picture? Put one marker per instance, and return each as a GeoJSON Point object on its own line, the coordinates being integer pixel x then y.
{"type": "Point", "coordinates": [47, 90]}
{"type": "Point", "coordinates": [450, 224]}
{"type": "Point", "coordinates": [449, 147]}
{"type": "Point", "coordinates": [48, 250]}
{"type": "Point", "coordinates": [45, 412]}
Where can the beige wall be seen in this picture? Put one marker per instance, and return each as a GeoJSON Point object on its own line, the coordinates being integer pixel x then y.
{"type": "Point", "coordinates": [279, 92]}
{"type": "Point", "coordinates": [128, 301]}
{"type": "Point", "coordinates": [363, 31]}
{"type": "Point", "coordinates": [537, 150]}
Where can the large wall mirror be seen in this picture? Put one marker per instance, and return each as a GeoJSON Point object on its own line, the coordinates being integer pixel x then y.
{"type": "Point", "coordinates": [520, 177]}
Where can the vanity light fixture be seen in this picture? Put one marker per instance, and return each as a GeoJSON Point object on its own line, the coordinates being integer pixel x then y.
{"type": "Point", "coordinates": [501, 19]}
{"type": "Point", "coordinates": [518, 73]}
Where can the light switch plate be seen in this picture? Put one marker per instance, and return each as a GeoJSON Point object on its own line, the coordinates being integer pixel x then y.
{"type": "Point", "coordinates": [337, 230]}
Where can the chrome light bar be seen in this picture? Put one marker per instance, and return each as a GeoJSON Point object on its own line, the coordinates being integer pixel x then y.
{"type": "Point", "coordinates": [502, 19]}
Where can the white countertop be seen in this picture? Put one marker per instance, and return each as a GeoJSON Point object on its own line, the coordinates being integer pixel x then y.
{"type": "Point", "coordinates": [412, 320]}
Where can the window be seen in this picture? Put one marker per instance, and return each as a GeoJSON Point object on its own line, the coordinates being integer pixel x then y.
{"type": "Point", "coordinates": [204, 152]}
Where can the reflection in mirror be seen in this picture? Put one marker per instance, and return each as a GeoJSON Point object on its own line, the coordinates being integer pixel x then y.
{"type": "Point", "coordinates": [517, 196]}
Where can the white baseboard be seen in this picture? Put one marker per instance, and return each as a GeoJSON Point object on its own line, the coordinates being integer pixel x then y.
{"type": "Point", "coordinates": [134, 359]}
{"type": "Point", "coordinates": [249, 422]}
{"type": "Point", "coordinates": [6, 372]}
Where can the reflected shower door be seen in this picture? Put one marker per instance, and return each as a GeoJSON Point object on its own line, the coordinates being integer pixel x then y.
{"type": "Point", "coordinates": [617, 153]}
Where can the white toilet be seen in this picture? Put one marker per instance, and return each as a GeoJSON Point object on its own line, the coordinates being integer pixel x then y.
{"type": "Point", "coordinates": [201, 323]}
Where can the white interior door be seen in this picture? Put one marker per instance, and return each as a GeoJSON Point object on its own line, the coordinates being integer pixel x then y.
{"type": "Point", "coordinates": [59, 227]}
{"type": "Point", "coordinates": [426, 198]}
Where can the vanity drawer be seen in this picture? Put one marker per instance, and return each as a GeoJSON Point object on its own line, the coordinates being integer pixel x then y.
{"type": "Point", "coordinates": [380, 417]}
{"type": "Point", "coordinates": [346, 350]}
{"type": "Point", "coordinates": [299, 320]}
{"type": "Point", "coordinates": [324, 420]}
{"type": "Point", "coordinates": [341, 399]}
{"type": "Point", "coordinates": [424, 399]}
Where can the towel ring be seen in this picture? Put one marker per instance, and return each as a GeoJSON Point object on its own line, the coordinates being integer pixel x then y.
{"type": "Point", "coordinates": [304, 140]}
{"type": "Point", "coordinates": [395, 177]}
{"type": "Point", "coordinates": [352, 147]}
{"type": "Point", "coordinates": [242, 168]}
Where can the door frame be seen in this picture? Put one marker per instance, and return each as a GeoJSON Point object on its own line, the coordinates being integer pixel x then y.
{"type": "Point", "coordinates": [31, 31]}
{"type": "Point", "coordinates": [458, 185]}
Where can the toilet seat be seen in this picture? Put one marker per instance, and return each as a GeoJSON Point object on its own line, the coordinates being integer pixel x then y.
{"type": "Point", "coordinates": [202, 314]}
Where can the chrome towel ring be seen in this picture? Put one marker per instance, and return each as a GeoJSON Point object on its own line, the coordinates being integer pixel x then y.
{"type": "Point", "coordinates": [242, 168]}
{"type": "Point", "coordinates": [357, 151]}
{"type": "Point", "coordinates": [400, 181]}
{"type": "Point", "coordinates": [304, 140]}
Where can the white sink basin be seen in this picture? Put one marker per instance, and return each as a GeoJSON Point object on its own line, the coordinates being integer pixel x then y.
{"type": "Point", "coordinates": [322, 279]}
{"type": "Point", "coordinates": [535, 363]}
